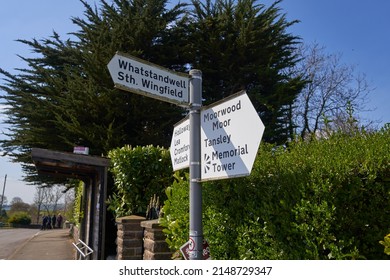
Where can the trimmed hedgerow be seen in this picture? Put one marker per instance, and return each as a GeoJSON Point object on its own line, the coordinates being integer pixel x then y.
{"type": "Point", "coordinates": [323, 199]}
{"type": "Point", "coordinates": [139, 174]}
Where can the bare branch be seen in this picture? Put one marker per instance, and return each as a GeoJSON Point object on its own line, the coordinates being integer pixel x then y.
{"type": "Point", "coordinates": [332, 88]}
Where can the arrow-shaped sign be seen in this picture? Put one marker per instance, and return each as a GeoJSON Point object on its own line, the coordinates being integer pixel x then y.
{"type": "Point", "coordinates": [139, 76]}
{"type": "Point", "coordinates": [180, 145]}
{"type": "Point", "coordinates": [231, 131]}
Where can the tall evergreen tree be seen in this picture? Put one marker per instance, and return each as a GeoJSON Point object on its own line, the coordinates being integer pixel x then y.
{"type": "Point", "coordinates": [65, 97]}
{"type": "Point", "coordinates": [244, 45]}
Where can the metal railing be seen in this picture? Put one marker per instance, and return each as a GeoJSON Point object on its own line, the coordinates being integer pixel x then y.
{"type": "Point", "coordinates": [83, 250]}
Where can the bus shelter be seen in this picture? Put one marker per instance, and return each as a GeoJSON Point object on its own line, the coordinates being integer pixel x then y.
{"type": "Point", "coordinates": [92, 170]}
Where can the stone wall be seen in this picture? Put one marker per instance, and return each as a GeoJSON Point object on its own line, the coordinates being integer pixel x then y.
{"type": "Point", "coordinates": [139, 239]}
{"type": "Point", "coordinates": [129, 240]}
{"type": "Point", "coordinates": [155, 247]}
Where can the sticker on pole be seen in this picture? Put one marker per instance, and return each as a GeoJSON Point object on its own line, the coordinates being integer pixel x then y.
{"type": "Point", "coordinates": [231, 131]}
{"type": "Point", "coordinates": [187, 248]}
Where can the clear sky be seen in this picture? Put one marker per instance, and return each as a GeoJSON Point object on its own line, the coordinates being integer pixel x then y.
{"type": "Point", "coordinates": [357, 29]}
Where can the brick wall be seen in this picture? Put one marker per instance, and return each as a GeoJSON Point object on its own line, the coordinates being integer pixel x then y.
{"type": "Point", "coordinates": [140, 239]}
{"type": "Point", "coordinates": [129, 238]}
{"type": "Point", "coordinates": [155, 247]}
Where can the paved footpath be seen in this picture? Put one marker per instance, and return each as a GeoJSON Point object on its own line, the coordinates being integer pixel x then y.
{"type": "Point", "coordinates": [54, 244]}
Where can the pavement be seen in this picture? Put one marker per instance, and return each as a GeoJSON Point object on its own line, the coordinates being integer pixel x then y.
{"type": "Point", "coordinates": [53, 244]}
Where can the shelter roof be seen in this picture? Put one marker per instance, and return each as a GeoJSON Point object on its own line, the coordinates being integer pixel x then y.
{"type": "Point", "coordinates": [64, 164]}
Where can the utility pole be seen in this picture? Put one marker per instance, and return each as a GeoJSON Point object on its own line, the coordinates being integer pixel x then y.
{"type": "Point", "coordinates": [2, 197]}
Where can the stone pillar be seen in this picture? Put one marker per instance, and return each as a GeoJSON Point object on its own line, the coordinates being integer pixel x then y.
{"type": "Point", "coordinates": [129, 238]}
{"type": "Point", "coordinates": [155, 247]}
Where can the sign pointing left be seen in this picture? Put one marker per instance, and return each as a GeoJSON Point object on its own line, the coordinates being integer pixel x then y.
{"type": "Point", "coordinates": [142, 77]}
{"type": "Point", "coordinates": [180, 145]}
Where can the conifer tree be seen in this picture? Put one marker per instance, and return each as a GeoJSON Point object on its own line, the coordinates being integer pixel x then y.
{"type": "Point", "coordinates": [244, 45]}
{"type": "Point", "coordinates": [65, 96]}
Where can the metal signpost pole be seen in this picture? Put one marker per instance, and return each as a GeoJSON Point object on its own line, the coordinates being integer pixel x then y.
{"type": "Point", "coordinates": [2, 196]}
{"type": "Point", "coordinates": [196, 229]}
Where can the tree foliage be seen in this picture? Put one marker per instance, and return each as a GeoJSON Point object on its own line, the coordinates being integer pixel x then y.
{"type": "Point", "coordinates": [244, 45]}
{"type": "Point", "coordinates": [386, 244]}
{"type": "Point", "coordinates": [323, 199]}
{"type": "Point", "coordinates": [139, 174]}
{"type": "Point", "coordinates": [19, 206]}
{"type": "Point", "coordinates": [332, 90]}
{"type": "Point", "coordinates": [19, 218]}
{"type": "Point", "coordinates": [47, 198]}
{"type": "Point", "coordinates": [65, 96]}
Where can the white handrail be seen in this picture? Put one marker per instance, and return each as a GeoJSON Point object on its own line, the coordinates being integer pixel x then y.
{"type": "Point", "coordinates": [83, 249]}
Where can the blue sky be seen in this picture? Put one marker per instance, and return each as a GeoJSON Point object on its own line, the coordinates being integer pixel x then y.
{"type": "Point", "coordinates": [356, 29]}
{"type": "Point", "coordinates": [27, 19]}
{"type": "Point", "coordinates": [359, 30]}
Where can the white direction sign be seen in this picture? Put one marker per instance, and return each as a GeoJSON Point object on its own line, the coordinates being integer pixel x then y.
{"type": "Point", "coordinates": [180, 145]}
{"type": "Point", "coordinates": [231, 132]}
{"type": "Point", "coordinates": [133, 74]}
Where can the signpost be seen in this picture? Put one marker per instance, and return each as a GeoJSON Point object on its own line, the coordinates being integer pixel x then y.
{"type": "Point", "coordinates": [139, 76]}
{"type": "Point", "coordinates": [230, 138]}
{"type": "Point", "coordinates": [217, 142]}
{"type": "Point", "coordinates": [196, 227]}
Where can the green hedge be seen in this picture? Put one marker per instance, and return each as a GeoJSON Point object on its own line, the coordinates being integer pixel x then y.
{"type": "Point", "coordinates": [323, 199]}
{"type": "Point", "coordinates": [139, 174]}
{"type": "Point", "coordinates": [78, 213]}
{"type": "Point", "coordinates": [20, 218]}
{"type": "Point", "coordinates": [386, 244]}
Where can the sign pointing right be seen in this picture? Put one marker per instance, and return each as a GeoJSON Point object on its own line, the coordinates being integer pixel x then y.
{"type": "Point", "coordinates": [231, 132]}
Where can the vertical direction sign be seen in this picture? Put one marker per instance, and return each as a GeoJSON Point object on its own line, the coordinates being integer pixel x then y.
{"type": "Point", "coordinates": [180, 145]}
{"type": "Point", "coordinates": [136, 75]}
{"type": "Point", "coordinates": [231, 132]}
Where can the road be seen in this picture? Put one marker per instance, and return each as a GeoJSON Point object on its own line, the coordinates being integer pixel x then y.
{"type": "Point", "coordinates": [12, 239]}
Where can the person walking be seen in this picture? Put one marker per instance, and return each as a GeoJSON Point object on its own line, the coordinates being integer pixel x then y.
{"type": "Point", "coordinates": [53, 221]}
{"type": "Point", "coordinates": [44, 222]}
{"type": "Point", "coordinates": [48, 224]}
{"type": "Point", "coordinates": [59, 221]}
